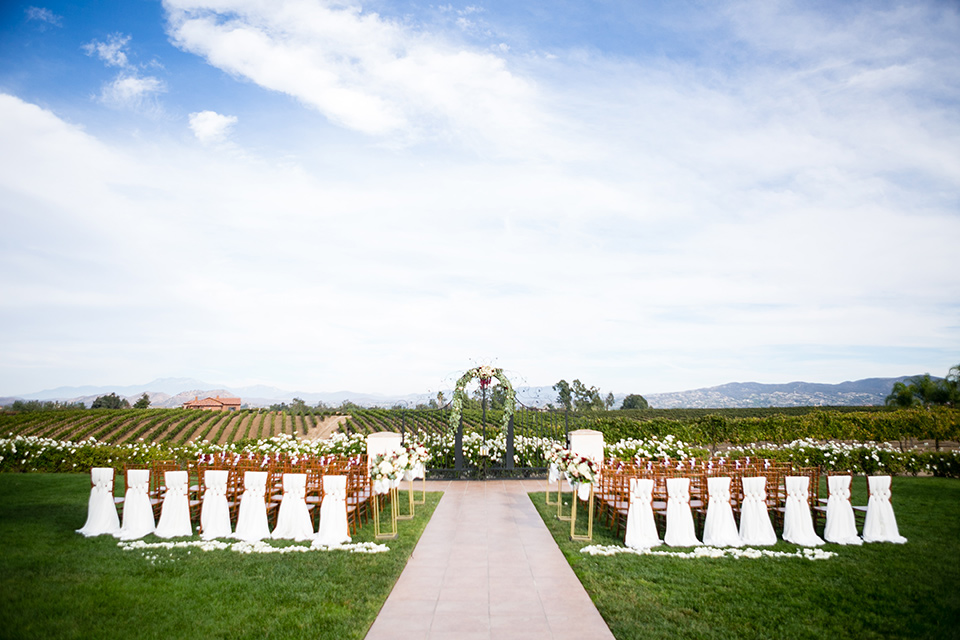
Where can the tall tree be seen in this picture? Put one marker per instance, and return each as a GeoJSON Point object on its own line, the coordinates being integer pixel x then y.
{"type": "Point", "coordinates": [564, 394]}
{"type": "Point", "coordinates": [110, 401]}
{"type": "Point", "coordinates": [143, 402]}
{"type": "Point", "coordinates": [634, 401]}
{"type": "Point", "coordinates": [609, 401]}
{"type": "Point", "coordinates": [585, 398]}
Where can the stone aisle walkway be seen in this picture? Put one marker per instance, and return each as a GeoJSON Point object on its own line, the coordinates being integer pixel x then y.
{"type": "Point", "coordinates": [487, 567]}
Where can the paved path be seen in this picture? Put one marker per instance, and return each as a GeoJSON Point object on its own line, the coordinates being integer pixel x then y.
{"type": "Point", "coordinates": [487, 567]}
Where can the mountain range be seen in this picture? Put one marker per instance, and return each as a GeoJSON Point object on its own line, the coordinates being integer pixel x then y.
{"type": "Point", "coordinates": [173, 392]}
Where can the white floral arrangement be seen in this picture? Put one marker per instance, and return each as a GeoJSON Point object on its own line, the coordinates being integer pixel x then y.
{"type": "Point", "coordinates": [486, 374]}
{"type": "Point", "coordinates": [387, 470]}
{"type": "Point", "coordinates": [578, 469]}
{"type": "Point", "coordinates": [417, 454]}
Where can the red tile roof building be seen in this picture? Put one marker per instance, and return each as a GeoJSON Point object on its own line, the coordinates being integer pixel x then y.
{"type": "Point", "coordinates": [213, 404]}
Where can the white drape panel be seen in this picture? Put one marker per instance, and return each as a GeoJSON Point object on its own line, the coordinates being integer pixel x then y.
{"type": "Point", "coordinates": [755, 526]}
{"type": "Point", "coordinates": [797, 521]}
{"type": "Point", "coordinates": [293, 520]}
{"type": "Point", "coordinates": [553, 473]}
{"type": "Point", "coordinates": [641, 527]}
{"type": "Point", "coordinates": [137, 511]}
{"type": "Point", "coordinates": [419, 471]}
{"type": "Point", "coordinates": [720, 527]}
{"type": "Point", "coordinates": [880, 524]}
{"type": "Point", "coordinates": [252, 519]}
{"type": "Point", "coordinates": [841, 527]}
{"type": "Point", "coordinates": [175, 511]}
{"type": "Point", "coordinates": [215, 512]}
{"type": "Point", "coordinates": [333, 513]}
{"type": "Point", "coordinates": [680, 529]}
{"type": "Point", "coordinates": [101, 509]}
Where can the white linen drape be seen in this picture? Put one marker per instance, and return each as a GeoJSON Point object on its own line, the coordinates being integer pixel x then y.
{"type": "Point", "coordinates": [101, 509]}
{"type": "Point", "coordinates": [215, 512]}
{"type": "Point", "coordinates": [175, 510]}
{"type": "Point", "coordinates": [797, 521]}
{"type": "Point", "coordinates": [880, 524]}
{"type": "Point", "coordinates": [418, 471]}
{"type": "Point", "coordinates": [755, 526]}
{"type": "Point", "coordinates": [841, 527]}
{"type": "Point", "coordinates": [293, 520]}
{"type": "Point", "coordinates": [641, 527]}
{"type": "Point", "coordinates": [333, 513]}
{"type": "Point", "coordinates": [252, 519]}
{"type": "Point", "coordinates": [137, 511]}
{"type": "Point", "coordinates": [680, 529]}
{"type": "Point", "coordinates": [720, 527]}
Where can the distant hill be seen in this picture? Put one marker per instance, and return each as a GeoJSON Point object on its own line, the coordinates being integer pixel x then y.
{"type": "Point", "coordinates": [736, 395]}
{"type": "Point", "coordinates": [173, 392]}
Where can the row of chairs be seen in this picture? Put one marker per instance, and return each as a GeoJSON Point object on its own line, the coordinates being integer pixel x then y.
{"type": "Point", "coordinates": [718, 491]}
{"type": "Point", "coordinates": [613, 491]}
{"type": "Point", "coordinates": [228, 481]}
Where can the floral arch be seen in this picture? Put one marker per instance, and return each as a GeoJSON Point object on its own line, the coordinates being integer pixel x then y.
{"type": "Point", "coordinates": [486, 374]}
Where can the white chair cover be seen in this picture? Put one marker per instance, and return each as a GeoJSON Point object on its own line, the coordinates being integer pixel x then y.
{"type": "Point", "coordinates": [680, 529]}
{"type": "Point", "coordinates": [252, 519]}
{"type": "Point", "coordinates": [333, 513]}
{"type": "Point", "coordinates": [137, 511]}
{"type": "Point", "coordinates": [175, 511]}
{"type": "Point", "coordinates": [841, 527]}
{"type": "Point", "coordinates": [215, 512]}
{"type": "Point", "coordinates": [101, 509]}
{"type": "Point", "coordinates": [755, 526]}
{"type": "Point", "coordinates": [797, 521]}
{"type": "Point", "coordinates": [880, 524]}
{"type": "Point", "coordinates": [641, 527]}
{"type": "Point", "coordinates": [293, 521]}
{"type": "Point", "coordinates": [720, 527]}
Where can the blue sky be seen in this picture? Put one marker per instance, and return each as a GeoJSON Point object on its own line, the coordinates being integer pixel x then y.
{"type": "Point", "coordinates": [648, 196]}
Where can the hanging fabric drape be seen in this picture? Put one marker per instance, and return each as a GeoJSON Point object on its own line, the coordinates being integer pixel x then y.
{"type": "Point", "coordinates": [333, 513]}
{"type": "Point", "coordinates": [720, 527]}
{"type": "Point", "coordinates": [215, 512]}
{"type": "Point", "coordinates": [175, 510]}
{"type": "Point", "coordinates": [797, 520]}
{"type": "Point", "coordinates": [641, 527]}
{"type": "Point", "coordinates": [101, 509]}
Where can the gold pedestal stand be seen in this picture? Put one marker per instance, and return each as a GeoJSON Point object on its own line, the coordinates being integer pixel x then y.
{"type": "Point", "coordinates": [410, 503]}
{"type": "Point", "coordinates": [423, 490]}
{"type": "Point", "coordinates": [560, 515]}
{"type": "Point", "coordinates": [573, 517]}
{"type": "Point", "coordinates": [377, 532]}
{"type": "Point", "coordinates": [553, 502]}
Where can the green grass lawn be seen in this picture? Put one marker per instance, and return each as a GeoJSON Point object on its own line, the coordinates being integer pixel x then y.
{"type": "Point", "coordinates": [878, 590]}
{"type": "Point", "coordinates": [54, 583]}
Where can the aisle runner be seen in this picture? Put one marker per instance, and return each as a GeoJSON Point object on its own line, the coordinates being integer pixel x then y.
{"type": "Point", "coordinates": [487, 567]}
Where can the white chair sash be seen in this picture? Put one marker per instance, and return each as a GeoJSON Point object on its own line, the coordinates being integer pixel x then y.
{"type": "Point", "coordinates": [641, 527]}
{"type": "Point", "coordinates": [252, 519]}
{"type": "Point", "coordinates": [755, 526]}
{"type": "Point", "coordinates": [101, 509]}
{"type": "Point", "coordinates": [333, 513]}
{"type": "Point", "coordinates": [215, 512]}
{"type": "Point", "coordinates": [841, 527]}
{"type": "Point", "coordinates": [720, 527]}
{"type": "Point", "coordinates": [293, 520]}
{"type": "Point", "coordinates": [680, 529]}
{"type": "Point", "coordinates": [175, 511]}
{"type": "Point", "coordinates": [797, 520]}
{"type": "Point", "coordinates": [880, 524]}
{"type": "Point", "coordinates": [137, 511]}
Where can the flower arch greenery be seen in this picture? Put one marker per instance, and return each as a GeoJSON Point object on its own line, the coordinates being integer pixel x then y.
{"type": "Point", "coordinates": [486, 374]}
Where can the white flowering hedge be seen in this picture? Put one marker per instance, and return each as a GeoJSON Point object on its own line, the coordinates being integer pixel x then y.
{"type": "Point", "coordinates": [30, 453]}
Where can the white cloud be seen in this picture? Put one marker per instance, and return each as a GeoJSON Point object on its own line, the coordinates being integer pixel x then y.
{"type": "Point", "coordinates": [112, 52]}
{"type": "Point", "coordinates": [132, 91]}
{"type": "Point", "coordinates": [210, 126]}
{"type": "Point", "coordinates": [42, 14]}
{"type": "Point", "coordinates": [129, 89]}
{"type": "Point", "coordinates": [362, 71]}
